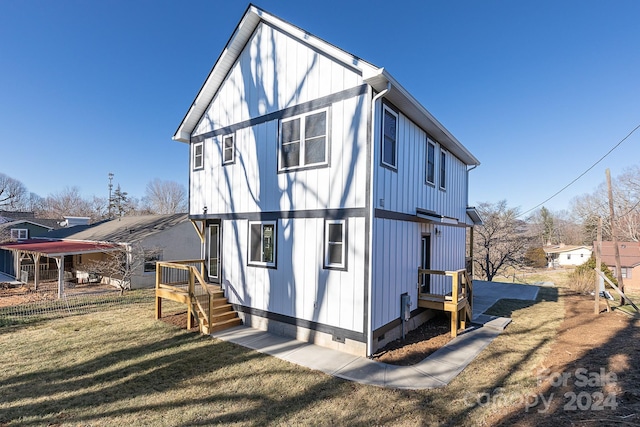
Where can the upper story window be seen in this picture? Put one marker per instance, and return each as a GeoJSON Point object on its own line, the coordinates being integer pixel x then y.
{"type": "Point", "coordinates": [443, 170]}
{"type": "Point", "coordinates": [304, 140]}
{"type": "Point", "coordinates": [431, 162]}
{"type": "Point", "coordinates": [228, 150]}
{"type": "Point", "coordinates": [19, 233]}
{"type": "Point", "coordinates": [262, 243]}
{"type": "Point", "coordinates": [389, 138]}
{"type": "Point", "coordinates": [198, 155]}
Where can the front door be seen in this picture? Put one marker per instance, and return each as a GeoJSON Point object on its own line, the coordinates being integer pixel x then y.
{"type": "Point", "coordinates": [425, 263]}
{"type": "Point", "coordinates": [213, 253]}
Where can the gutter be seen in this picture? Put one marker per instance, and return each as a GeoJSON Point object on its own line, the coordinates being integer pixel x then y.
{"type": "Point", "coordinates": [371, 199]}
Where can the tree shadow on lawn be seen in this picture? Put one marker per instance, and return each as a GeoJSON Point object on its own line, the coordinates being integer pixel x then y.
{"type": "Point", "coordinates": [226, 374]}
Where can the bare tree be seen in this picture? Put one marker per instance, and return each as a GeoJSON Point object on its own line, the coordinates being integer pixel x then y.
{"type": "Point", "coordinates": [626, 197]}
{"type": "Point", "coordinates": [12, 193]}
{"type": "Point", "coordinates": [123, 264]}
{"type": "Point", "coordinates": [68, 202]}
{"type": "Point", "coordinates": [501, 241]}
{"type": "Point", "coordinates": [165, 197]}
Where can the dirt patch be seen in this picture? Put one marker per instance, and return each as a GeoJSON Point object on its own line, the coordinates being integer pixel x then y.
{"type": "Point", "coordinates": [179, 320]}
{"type": "Point", "coordinates": [418, 344]}
{"type": "Point", "coordinates": [591, 376]}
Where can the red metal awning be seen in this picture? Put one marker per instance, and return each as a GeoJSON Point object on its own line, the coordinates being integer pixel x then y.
{"type": "Point", "coordinates": [55, 248]}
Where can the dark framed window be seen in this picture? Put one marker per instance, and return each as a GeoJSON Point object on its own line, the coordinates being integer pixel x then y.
{"type": "Point", "coordinates": [228, 150]}
{"type": "Point", "coordinates": [213, 252]}
{"type": "Point", "coordinates": [443, 170]}
{"type": "Point", "coordinates": [150, 260]}
{"type": "Point", "coordinates": [389, 138]}
{"type": "Point", "coordinates": [262, 243]}
{"type": "Point", "coordinates": [431, 162]}
{"type": "Point", "coordinates": [304, 140]}
{"type": "Point", "coordinates": [198, 155]}
{"type": "Point", "coordinates": [335, 244]}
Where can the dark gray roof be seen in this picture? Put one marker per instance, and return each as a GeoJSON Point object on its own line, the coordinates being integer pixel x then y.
{"type": "Point", "coordinates": [127, 229]}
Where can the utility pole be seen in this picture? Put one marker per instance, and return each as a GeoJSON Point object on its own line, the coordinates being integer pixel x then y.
{"type": "Point", "coordinates": [615, 238]}
{"type": "Point", "coordinates": [110, 188]}
{"type": "Point", "coordinates": [598, 249]}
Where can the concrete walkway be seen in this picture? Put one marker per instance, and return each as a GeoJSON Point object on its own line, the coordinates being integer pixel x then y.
{"type": "Point", "coordinates": [437, 370]}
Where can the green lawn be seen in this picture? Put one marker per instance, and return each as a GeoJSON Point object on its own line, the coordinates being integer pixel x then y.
{"type": "Point", "coordinates": [122, 367]}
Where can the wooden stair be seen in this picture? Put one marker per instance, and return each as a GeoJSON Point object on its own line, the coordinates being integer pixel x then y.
{"type": "Point", "coordinates": [222, 314]}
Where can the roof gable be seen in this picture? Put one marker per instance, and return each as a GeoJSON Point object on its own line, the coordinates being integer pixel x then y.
{"type": "Point", "coordinates": [378, 78]}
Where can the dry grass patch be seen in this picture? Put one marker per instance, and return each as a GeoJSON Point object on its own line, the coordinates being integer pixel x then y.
{"type": "Point", "coordinates": [123, 367]}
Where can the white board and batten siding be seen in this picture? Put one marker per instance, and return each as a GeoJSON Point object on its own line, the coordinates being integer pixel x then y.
{"type": "Point", "coordinates": [397, 243]}
{"type": "Point", "coordinates": [405, 189]}
{"type": "Point", "coordinates": [275, 72]}
{"type": "Point", "coordinates": [300, 287]}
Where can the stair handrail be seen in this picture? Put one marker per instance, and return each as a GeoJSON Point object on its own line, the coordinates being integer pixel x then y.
{"type": "Point", "coordinates": [195, 274]}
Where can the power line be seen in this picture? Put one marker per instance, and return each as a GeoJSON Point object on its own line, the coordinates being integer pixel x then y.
{"type": "Point", "coordinates": [583, 173]}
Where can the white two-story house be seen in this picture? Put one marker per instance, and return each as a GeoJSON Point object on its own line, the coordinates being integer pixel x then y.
{"type": "Point", "coordinates": [323, 186]}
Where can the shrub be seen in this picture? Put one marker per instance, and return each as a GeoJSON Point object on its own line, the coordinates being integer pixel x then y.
{"type": "Point", "coordinates": [535, 257]}
{"type": "Point", "coordinates": [583, 277]}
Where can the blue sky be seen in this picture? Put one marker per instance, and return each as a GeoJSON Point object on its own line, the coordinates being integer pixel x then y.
{"type": "Point", "coordinates": [537, 90]}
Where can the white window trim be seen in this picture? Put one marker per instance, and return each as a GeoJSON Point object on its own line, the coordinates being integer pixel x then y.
{"type": "Point", "coordinates": [327, 262]}
{"type": "Point", "coordinates": [302, 142]}
{"type": "Point", "coordinates": [275, 244]}
{"type": "Point", "coordinates": [382, 140]}
{"type": "Point", "coordinates": [233, 149]}
{"type": "Point", "coordinates": [443, 167]}
{"type": "Point", "coordinates": [17, 233]}
{"type": "Point", "coordinates": [431, 144]}
{"type": "Point", "coordinates": [195, 157]}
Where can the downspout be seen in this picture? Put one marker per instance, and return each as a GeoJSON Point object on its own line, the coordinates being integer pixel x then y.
{"type": "Point", "coordinates": [467, 196]}
{"type": "Point", "coordinates": [371, 199]}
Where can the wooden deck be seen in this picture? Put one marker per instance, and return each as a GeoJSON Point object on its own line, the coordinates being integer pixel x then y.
{"type": "Point", "coordinates": [182, 281]}
{"type": "Point", "coordinates": [459, 302]}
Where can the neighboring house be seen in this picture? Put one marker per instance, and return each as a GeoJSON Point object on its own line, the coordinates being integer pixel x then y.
{"type": "Point", "coordinates": [154, 237]}
{"type": "Point", "coordinates": [322, 186]}
{"type": "Point", "coordinates": [566, 255]}
{"type": "Point", "coordinates": [17, 226]}
{"type": "Point", "coordinates": [629, 262]}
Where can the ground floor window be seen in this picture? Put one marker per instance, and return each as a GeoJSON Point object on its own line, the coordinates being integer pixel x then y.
{"type": "Point", "coordinates": [335, 244]}
{"type": "Point", "coordinates": [150, 259]}
{"type": "Point", "coordinates": [262, 243]}
{"type": "Point", "coordinates": [214, 251]}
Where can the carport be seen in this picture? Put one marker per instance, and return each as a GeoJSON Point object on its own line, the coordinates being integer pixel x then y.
{"type": "Point", "coordinates": [55, 249]}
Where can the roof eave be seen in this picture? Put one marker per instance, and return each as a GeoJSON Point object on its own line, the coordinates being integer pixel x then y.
{"type": "Point", "coordinates": [410, 106]}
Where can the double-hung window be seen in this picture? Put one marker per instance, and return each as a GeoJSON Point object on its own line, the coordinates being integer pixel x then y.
{"type": "Point", "coordinates": [262, 243]}
{"type": "Point", "coordinates": [335, 244]}
{"type": "Point", "coordinates": [304, 140]}
{"type": "Point", "coordinates": [228, 150]}
{"type": "Point", "coordinates": [443, 170]}
{"type": "Point", "coordinates": [198, 155]}
{"type": "Point", "coordinates": [389, 138]}
{"type": "Point", "coordinates": [431, 162]}
{"type": "Point", "coordinates": [19, 233]}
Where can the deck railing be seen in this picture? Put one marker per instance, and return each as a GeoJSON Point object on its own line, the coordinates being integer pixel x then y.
{"type": "Point", "coordinates": [456, 298]}
{"type": "Point", "coordinates": [185, 277]}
